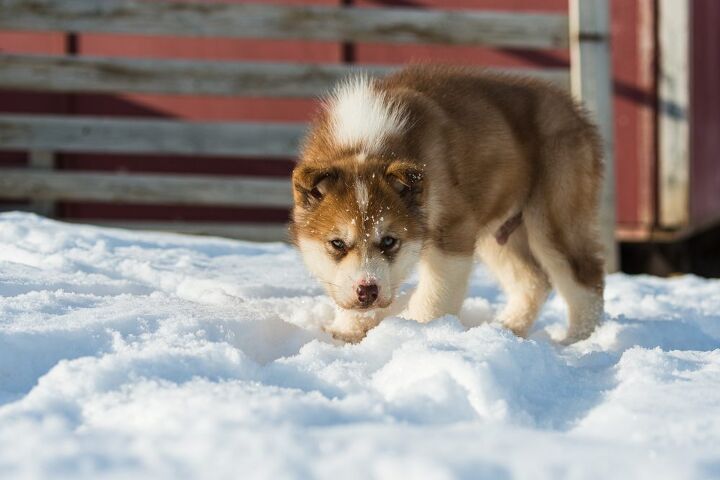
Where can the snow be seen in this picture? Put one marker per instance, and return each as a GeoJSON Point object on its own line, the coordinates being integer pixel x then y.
{"type": "Point", "coordinates": [148, 355]}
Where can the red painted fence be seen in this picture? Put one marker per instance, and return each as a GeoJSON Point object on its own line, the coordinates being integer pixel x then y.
{"type": "Point", "coordinates": [634, 103]}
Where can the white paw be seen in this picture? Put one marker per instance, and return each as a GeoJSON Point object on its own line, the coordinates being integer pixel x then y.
{"type": "Point", "coordinates": [419, 313]}
{"type": "Point", "coordinates": [352, 326]}
{"type": "Point", "coordinates": [576, 335]}
{"type": "Point", "coordinates": [517, 323]}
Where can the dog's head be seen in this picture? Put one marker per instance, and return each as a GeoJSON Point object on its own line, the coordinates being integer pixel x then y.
{"type": "Point", "coordinates": [358, 195]}
{"type": "Point", "coordinates": [358, 224]}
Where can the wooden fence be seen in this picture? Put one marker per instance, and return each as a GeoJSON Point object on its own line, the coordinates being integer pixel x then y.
{"type": "Point", "coordinates": [584, 32]}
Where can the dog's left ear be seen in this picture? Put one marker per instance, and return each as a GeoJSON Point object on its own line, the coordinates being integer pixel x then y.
{"type": "Point", "coordinates": [311, 184]}
{"type": "Point", "coordinates": [405, 178]}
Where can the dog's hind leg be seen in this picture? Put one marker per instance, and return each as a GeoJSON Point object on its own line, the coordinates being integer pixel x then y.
{"type": "Point", "coordinates": [561, 223]}
{"type": "Point", "coordinates": [577, 274]}
{"type": "Point", "coordinates": [525, 284]}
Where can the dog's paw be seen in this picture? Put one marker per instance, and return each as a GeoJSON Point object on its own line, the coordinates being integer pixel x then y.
{"type": "Point", "coordinates": [346, 336]}
{"type": "Point", "coordinates": [576, 335]}
{"type": "Point", "coordinates": [520, 330]}
{"type": "Point", "coordinates": [351, 327]}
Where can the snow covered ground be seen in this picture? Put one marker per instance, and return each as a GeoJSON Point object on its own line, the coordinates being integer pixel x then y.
{"type": "Point", "coordinates": [130, 355]}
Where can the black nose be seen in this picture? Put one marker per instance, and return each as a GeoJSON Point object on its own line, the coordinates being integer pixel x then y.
{"type": "Point", "coordinates": [367, 294]}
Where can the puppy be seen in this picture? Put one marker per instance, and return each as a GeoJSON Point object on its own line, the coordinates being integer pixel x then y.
{"type": "Point", "coordinates": [437, 166]}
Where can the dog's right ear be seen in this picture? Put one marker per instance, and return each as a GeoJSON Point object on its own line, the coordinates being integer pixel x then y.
{"type": "Point", "coordinates": [406, 179]}
{"type": "Point", "coordinates": [311, 183]}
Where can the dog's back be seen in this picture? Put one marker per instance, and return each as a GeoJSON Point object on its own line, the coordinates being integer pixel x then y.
{"type": "Point", "coordinates": [508, 123]}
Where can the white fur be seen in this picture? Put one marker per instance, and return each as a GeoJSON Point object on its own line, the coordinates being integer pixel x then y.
{"type": "Point", "coordinates": [341, 278]}
{"type": "Point", "coordinates": [405, 260]}
{"type": "Point", "coordinates": [351, 325]}
{"type": "Point", "coordinates": [585, 305]}
{"type": "Point", "coordinates": [361, 193]}
{"type": "Point", "coordinates": [525, 285]}
{"type": "Point", "coordinates": [360, 265]}
{"type": "Point", "coordinates": [442, 287]}
{"type": "Point", "coordinates": [379, 229]}
{"type": "Point", "coordinates": [585, 310]}
{"type": "Point", "coordinates": [317, 260]}
{"type": "Point", "coordinates": [361, 116]}
{"type": "Point", "coordinates": [346, 232]}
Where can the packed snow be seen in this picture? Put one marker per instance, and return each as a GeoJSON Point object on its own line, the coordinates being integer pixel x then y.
{"type": "Point", "coordinates": [149, 355]}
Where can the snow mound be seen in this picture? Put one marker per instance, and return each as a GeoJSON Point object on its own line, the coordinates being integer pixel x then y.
{"type": "Point", "coordinates": [148, 355]}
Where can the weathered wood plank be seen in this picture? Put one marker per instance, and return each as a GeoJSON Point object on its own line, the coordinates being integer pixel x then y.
{"type": "Point", "coordinates": [42, 160]}
{"type": "Point", "coordinates": [108, 75]}
{"type": "Point", "coordinates": [96, 134]}
{"type": "Point", "coordinates": [591, 82]}
{"type": "Point", "coordinates": [388, 25]}
{"type": "Point", "coordinates": [258, 232]}
{"type": "Point", "coordinates": [92, 74]}
{"type": "Point", "coordinates": [145, 188]}
{"type": "Point", "coordinates": [673, 114]}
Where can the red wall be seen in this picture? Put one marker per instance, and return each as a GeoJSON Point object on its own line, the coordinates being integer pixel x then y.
{"type": "Point", "coordinates": [633, 63]}
{"type": "Point", "coordinates": [33, 43]}
{"type": "Point", "coordinates": [632, 24]}
{"type": "Point", "coordinates": [705, 112]}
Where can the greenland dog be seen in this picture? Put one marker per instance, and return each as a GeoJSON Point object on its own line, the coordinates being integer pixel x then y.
{"type": "Point", "coordinates": [437, 166]}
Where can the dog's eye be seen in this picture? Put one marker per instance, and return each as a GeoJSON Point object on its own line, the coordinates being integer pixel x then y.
{"type": "Point", "coordinates": [388, 243]}
{"type": "Point", "coordinates": [338, 245]}
{"type": "Point", "coordinates": [316, 193]}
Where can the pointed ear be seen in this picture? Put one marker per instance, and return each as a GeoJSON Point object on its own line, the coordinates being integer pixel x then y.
{"type": "Point", "coordinates": [311, 184]}
{"type": "Point", "coordinates": [405, 178]}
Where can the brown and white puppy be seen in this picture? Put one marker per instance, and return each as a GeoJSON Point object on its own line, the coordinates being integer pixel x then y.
{"type": "Point", "coordinates": [434, 166]}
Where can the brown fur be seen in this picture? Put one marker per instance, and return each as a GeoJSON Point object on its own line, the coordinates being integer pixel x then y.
{"type": "Point", "coordinates": [479, 149]}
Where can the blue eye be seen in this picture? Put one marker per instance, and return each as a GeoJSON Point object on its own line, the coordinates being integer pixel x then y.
{"type": "Point", "coordinates": [388, 242]}
{"type": "Point", "coordinates": [338, 244]}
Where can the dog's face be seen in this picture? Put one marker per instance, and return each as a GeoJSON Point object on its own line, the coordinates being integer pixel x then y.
{"type": "Point", "coordinates": [358, 226]}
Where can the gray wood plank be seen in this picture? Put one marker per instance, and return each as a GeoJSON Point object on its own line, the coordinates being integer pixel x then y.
{"type": "Point", "coordinates": [388, 25]}
{"type": "Point", "coordinates": [97, 134]}
{"type": "Point", "coordinates": [42, 160]}
{"type": "Point", "coordinates": [591, 81]}
{"type": "Point", "coordinates": [258, 232]}
{"type": "Point", "coordinates": [92, 74]}
{"type": "Point", "coordinates": [145, 188]}
{"type": "Point", "coordinates": [108, 75]}
{"type": "Point", "coordinates": [674, 114]}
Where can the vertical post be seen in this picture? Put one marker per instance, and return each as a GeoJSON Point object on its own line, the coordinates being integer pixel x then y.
{"type": "Point", "coordinates": [591, 82]}
{"type": "Point", "coordinates": [42, 160]}
{"type": "Point", "coordinates": [673, 113]}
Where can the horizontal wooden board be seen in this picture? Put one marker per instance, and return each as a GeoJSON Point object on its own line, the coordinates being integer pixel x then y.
{"type": "Point", "coordinates": [206, 19]}
{"type": "Point", "coordinates": [253, 79]}
{"type": "Point", "coordinates": [107, 75]}
{"type": "Point", "coordinates": [146, 188]}
{"type": "Point", "coordinates": [258, 232]}
{"type": "Point", "coordinates": [96, 134]}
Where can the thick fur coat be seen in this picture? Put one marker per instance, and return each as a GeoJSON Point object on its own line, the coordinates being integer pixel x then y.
{"type": "Point", "coordinates": [437, 167]}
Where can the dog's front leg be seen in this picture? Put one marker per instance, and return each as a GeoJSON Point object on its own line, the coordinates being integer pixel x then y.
{"type": "Point", "coordinates": [443, 284]}
{"type": "Point", "coordinates": [352, 326]}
